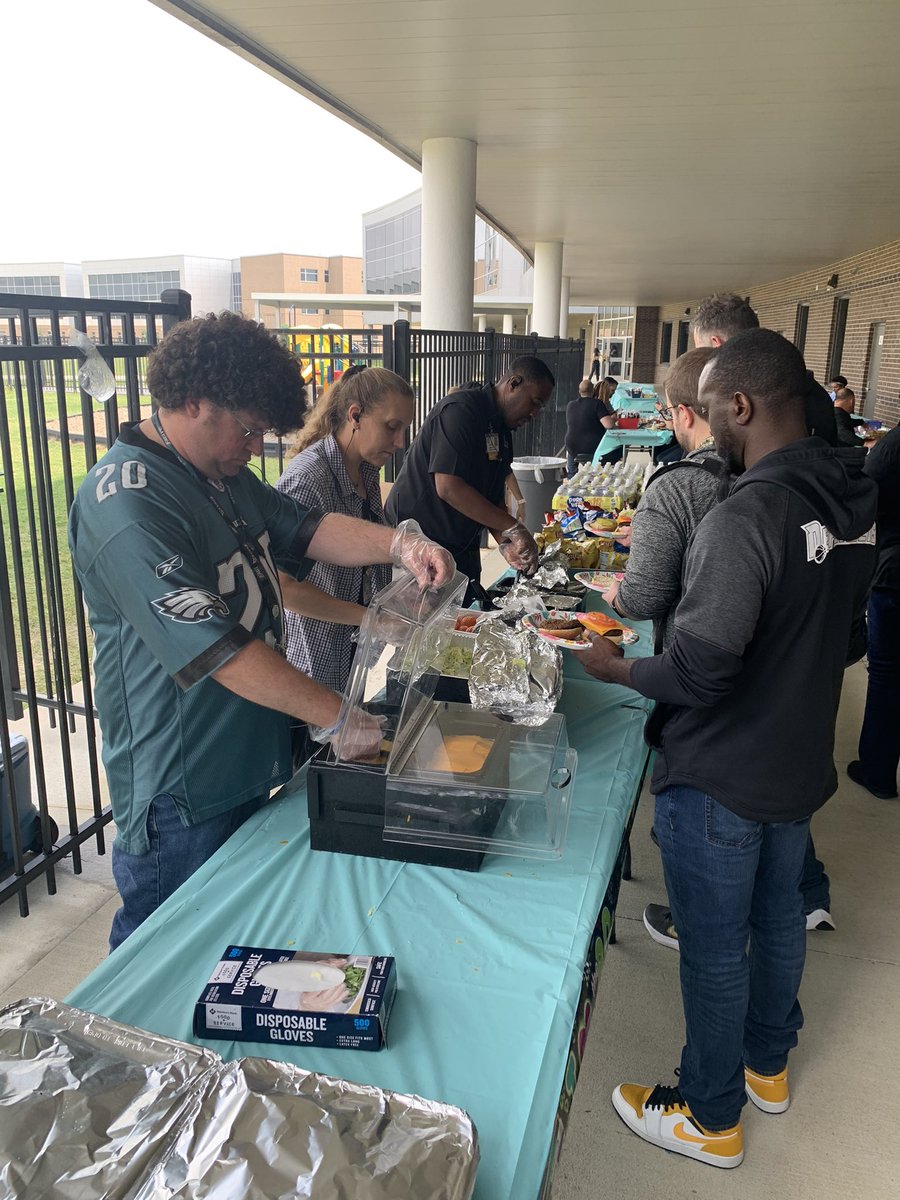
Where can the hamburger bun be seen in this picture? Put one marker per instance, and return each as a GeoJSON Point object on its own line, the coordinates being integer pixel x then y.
{"type": "Point", "coordinates": [560, 627]}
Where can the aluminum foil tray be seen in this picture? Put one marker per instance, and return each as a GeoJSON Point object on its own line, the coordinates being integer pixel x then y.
{"type": "Point", "coordinates": [91, 1109]}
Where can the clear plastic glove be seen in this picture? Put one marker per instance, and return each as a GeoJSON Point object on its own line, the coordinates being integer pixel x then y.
{"type": "Point", "coordinates": [519, 511]}
{"type": "Point", "coordinates": [359, 733]}
{"type": "Point", "coordinates": [519, 549]}
{"type": "Point", "coordinates": [431, 565]}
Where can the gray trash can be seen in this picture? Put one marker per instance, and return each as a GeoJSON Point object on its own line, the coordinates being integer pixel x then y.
{"type": "Point", "coordinates": [26, 814]}
{"type": "Point", "coordinates": [538, 479]}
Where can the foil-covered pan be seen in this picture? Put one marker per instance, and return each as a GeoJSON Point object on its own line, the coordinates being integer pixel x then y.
{"type": "Point", "coordinates": [514, 673]}
{"type": "Point", "coordinates": [91, 1109]}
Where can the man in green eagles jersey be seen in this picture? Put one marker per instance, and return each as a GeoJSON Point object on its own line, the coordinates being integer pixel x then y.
{"type": "Point", "coordinates": [181, 552]}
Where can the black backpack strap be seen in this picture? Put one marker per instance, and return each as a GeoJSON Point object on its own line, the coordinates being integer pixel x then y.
{"type": "Point", "coordinates": [712, 467]}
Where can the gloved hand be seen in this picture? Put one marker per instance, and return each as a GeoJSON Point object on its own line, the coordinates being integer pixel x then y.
{"type": "Point", "coordinates": [431, 565]}
{"type": "Point", "coordinates": [519, 549]}
{"type": "Point", "coordinates": [359, 731]}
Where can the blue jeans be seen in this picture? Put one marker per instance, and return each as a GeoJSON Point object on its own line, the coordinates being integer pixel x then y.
{"type": "Point", "coordinates": [879, 741]}
{"type": "Point", "coordinates": [814, 883]}
{"type": "Point", "coordinates": [176, 851]}
{"type": "Point", "coordinates": [734, 891]}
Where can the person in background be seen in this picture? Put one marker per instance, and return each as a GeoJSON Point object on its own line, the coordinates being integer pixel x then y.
{"type": "Point", "coordinates": [673, 504]}
{"type": "Point", "coordinates": [587, 419]}
{"type": "Point", "coordinates": [773, 578]}
{"type": "Point", "coordinates": [835, 385]}
{"type": "Point", "coordinates": [454, 474]}
{"type": "Point", "coordinates": [720, 316]}
{"type": "Point", "coordinates": [844, 401]}
{"type": "Point", "coordinates": [350, 435]}
{"type": "Point", "coordinates": [596, 371]}
{"type": "Point", "coordinates": [603, 394]}
{"type": "Point", "coordinates": [879, 740]}
{"type": "Point", "coordinates": [178, 547]}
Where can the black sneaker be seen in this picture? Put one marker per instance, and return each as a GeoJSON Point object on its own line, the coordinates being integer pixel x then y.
{"type": "Point", "coordinates": [855, 772]}
{"type": "Point", "coordinates": [658, 923]}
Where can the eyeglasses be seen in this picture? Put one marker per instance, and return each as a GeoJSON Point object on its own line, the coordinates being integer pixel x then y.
{"type": "Point", "coordinates": [664, 411]}
{"type": "Point", "coordinates": [250, 434]}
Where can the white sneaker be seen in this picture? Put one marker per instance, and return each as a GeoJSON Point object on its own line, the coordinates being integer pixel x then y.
{"type": "Point", "coordinates": [659, 1115]}
{"type": "Point", "coordinates": [820, 919]}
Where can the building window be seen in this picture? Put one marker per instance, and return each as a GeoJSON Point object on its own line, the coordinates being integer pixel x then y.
{"type": "Point", "coordinates": [309, 275]}
{"type": "Point", "coordinates": [31, 285]}
{"type": "Point", "coordinates": [235, 291]}
{"type": "Point", "coordinates": [683, 329]}
{"type": "Point", "coordinates": [838, 326]}
{"type": "Point", "coordinates": [309, 311]}
{"type": "Point", "coordinates": [800, 326]}
{"type": "Point", "coordinates": [327, 276]}
{"type": "Point", "coordinates": [132, 285]}
{"type": "Point", "coordinates": [665, 342]}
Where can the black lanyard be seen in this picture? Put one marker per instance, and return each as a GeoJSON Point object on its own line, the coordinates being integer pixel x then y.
{"type": "Point", "coordinates": [248, 544]}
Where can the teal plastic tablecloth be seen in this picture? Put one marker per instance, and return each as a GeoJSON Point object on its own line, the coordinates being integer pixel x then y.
{"type": "Point", "coordinates": [631, 437]}
{"type": "Point", "coordinates": [620, 398]}
{"type": "Point", "coordinates": [489, 964]}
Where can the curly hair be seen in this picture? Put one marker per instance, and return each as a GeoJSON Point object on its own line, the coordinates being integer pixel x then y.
{"type": "Point", "coordinates": [364, 386]}
{"type": "Point", "coordinates": [234, 363]}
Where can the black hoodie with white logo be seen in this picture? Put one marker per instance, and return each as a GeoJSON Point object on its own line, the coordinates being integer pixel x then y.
{"type": "Point", "coordinates": [749, 688]}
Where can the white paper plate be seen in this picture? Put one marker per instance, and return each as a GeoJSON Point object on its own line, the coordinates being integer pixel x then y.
{"type": "Point", "coordinates": [598, 581]}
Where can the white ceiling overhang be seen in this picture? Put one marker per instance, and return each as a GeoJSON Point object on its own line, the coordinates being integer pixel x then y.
{"type": "Point", "coordinates": [675, 147]}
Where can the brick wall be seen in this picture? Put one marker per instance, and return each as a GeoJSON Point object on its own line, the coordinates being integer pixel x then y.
{"type": "Point", "coordinates": [870, 281]}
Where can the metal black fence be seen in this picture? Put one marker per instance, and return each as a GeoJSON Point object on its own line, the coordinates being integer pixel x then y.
{"type": "Point", "coordinates": [434, 361]}
{"type": "Point", "coordinates": [51, 434]}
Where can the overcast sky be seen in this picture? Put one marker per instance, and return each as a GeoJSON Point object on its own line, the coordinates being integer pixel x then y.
{"type": "Point", "coordinates": [126, 134]}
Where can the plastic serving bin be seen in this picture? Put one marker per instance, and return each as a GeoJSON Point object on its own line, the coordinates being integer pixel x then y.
{"type": "Point", "coordinates": [451, 784]}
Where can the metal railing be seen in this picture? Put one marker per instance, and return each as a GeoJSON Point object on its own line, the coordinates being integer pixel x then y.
{"type": "Point", "coordinates": [51, 433]}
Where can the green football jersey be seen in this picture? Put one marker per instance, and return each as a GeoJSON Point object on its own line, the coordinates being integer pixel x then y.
{"type": "Point", "coordinates": [171, 597]}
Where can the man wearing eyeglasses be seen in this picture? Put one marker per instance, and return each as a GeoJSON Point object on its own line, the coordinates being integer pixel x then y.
{"type": "Point", "coordinates": [178, 548]}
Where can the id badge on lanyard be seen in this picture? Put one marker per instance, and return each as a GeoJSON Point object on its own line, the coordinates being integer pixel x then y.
{"type": "Point", "coordinates": [492, 445]}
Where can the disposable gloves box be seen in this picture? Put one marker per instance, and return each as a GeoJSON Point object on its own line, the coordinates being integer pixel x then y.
{"type": "Point", "coordinates": [298, 997]}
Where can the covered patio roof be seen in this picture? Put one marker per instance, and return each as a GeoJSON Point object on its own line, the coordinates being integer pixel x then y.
{"type": "Point", "coordinates": [675, 147]}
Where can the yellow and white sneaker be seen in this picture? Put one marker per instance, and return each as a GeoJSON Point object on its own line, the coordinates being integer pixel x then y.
{"type": "Point", "coordinates": [659, 1115]}
{"type": "Point", "coordinates": [768, 1092]}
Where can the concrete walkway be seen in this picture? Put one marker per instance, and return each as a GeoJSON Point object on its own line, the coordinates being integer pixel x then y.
{"type": "Point", "coordinates": [838, 1139]}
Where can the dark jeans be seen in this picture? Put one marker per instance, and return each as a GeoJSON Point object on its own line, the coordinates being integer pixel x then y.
{"type": "Point", "coordinates": [814, 884]}
{"type": "Point", "coordinates": [879, 741]}
{"type": "Point", "coordinates": [176, 852]}
{"type": "Point", "coordinates": [734, 891]}
{"type": "Point", "coordinates": [574, 461]}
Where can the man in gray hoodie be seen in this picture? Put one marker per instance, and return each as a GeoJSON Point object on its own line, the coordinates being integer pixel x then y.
{"type": "Point", "coordinates": [747, 694]}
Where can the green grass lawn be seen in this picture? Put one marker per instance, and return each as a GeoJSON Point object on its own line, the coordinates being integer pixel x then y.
{"type": "Point", "coordinates": [38, 585]}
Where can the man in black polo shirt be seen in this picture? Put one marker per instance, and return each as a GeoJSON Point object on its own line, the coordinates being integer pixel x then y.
{"type": "Point", "coordinates": [452, 479]}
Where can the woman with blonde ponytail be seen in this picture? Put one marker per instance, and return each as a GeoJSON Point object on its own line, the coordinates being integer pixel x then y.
{"type": "Point", "coordinates": [352, 431]}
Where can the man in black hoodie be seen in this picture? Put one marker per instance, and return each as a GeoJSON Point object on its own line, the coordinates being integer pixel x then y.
{"type": "Point", "coordinates": [747, 696]}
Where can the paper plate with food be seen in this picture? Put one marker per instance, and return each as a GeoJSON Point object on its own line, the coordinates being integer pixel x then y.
{"type": "Point", "coordinates": [596, 622]}
{"type": "Point", "coordinates": [599, 581]}
{"type": "Point", "coordinates": [560, 627]}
